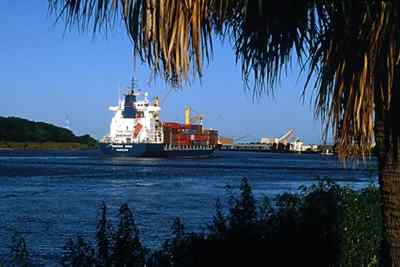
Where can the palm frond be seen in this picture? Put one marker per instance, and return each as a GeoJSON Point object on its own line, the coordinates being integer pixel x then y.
{"type": "Point", "coordinates": [356, 60]}
{"type": "Point", "coordinates": [170, 35]}
{"type": "Point", "coordinates": [266, 34]}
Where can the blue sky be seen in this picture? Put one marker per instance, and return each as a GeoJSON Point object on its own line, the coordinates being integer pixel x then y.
{"type": "Point", "coordinates": [49, 74]}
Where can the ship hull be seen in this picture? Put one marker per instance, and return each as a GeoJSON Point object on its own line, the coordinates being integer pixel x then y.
{"type": "Point", "coordinates": [155, 150]}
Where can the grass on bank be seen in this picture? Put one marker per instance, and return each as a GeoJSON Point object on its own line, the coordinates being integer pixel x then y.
{"type": "Point", "coordinates": [322, 225]}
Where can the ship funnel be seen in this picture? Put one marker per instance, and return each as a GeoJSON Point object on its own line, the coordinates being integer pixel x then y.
{"type": "Point", "coordinates": [129, 111]}
{"type": "Point", "coordinates": [187, 115]}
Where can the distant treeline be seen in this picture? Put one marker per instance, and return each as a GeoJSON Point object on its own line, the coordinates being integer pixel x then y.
{"type": "Point", "coordinates": [18, 130]}
{"type": "Point", "coordinates": [324, 225]}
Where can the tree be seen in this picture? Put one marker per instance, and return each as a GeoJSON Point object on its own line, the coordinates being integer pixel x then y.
{"type": "Point", "coordinates": [351, 47]}
{"type": "Point", "coordinates": [243, 211]}
{"type": "Point", "coordinates": [177, 247]}
{"type": "Point", "coordinates": [218, 228]}
{"type": "Point", "coordinates": [18, 250]}
{"type": "Point", "coordinates": [127, 249]}
{"type": "Point", "coordinates": [103, 236]}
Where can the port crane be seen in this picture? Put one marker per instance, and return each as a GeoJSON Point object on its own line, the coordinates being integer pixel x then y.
{"type": "Point", "coordinates": [196, 119]}
{"type": "Point", "coordinates": [284, 139]}
{"type": "Point", "coordinates": [290, 134]}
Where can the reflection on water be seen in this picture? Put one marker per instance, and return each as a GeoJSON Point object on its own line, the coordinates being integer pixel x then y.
{"type": "Point", "coordinates": [53, 196]}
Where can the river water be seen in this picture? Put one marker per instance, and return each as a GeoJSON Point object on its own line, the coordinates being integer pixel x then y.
{"type": "Point", "coordinates": [50, 197]}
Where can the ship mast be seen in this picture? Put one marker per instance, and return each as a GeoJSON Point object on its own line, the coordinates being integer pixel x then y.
{"type": "Point", "coordinates": [133, 83]}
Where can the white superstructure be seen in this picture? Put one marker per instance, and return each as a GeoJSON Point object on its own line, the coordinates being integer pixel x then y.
{"type": "Point", "coordinates": [135, 121]}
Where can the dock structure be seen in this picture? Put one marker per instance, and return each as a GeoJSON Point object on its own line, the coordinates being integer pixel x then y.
{"type": "Point", "coordinates": [246, 147]}
{"type": "Point", "coordinates": [288, 142]}
{"type": "Point", "coordinates": [285, 148]}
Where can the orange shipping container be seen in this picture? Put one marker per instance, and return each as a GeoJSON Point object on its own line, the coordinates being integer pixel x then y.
{"type": "Point", "coordinates": [213, 132]}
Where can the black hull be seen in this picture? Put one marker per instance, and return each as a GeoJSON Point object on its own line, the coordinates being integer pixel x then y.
{"type": "Point", "coordinates": [155, 150]}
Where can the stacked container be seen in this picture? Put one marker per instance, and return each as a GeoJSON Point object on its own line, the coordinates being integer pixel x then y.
{"type": "Point", "coordinates": [213, 134]}
{"type": "Point", "coordinates": [188, 134]}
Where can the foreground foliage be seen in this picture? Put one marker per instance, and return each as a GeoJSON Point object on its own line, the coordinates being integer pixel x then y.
{"type": "Point", "coordinates": [323, 225]}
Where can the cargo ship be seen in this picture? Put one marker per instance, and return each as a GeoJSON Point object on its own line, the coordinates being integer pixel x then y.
{"type": "Point", "coordinates": [136, 130]}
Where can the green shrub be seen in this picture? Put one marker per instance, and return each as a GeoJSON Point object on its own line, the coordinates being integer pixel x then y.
{"type": "Point", "coordinates": [78, 253]}
{"type": "Point", "coordinates": [361, 227]}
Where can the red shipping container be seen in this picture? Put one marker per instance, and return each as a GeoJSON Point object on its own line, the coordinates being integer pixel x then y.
{"type": "Point", "coordinates": [172, 125]}
{"type": "Point", "coordinates": [181, 137]}
{"type": "Point", "coordinates": [201, 138]}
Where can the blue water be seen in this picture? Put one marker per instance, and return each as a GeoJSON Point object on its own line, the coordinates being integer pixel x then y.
{"type": "Point", "coordinates": [50, 197]}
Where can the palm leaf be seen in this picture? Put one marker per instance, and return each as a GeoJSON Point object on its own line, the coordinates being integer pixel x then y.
{"type": "Point", "coordinates": [356, 63]}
